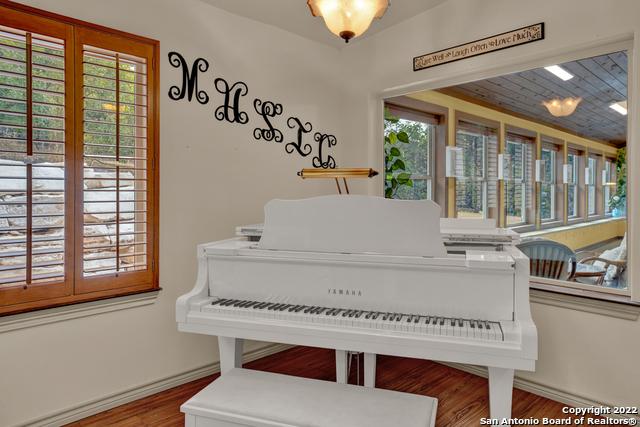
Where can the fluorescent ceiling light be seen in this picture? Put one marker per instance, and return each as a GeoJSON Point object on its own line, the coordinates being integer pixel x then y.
{"type": "Point", "coordinates": [559, 72]}
{"type": "Point", "coordinates": [620, 107]}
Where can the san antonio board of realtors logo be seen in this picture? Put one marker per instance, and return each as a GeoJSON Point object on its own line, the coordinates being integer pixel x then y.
{"type": "Point", "coordinates": [345, 292]}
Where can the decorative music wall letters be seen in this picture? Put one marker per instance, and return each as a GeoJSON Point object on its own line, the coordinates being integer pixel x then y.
{"type": "Point", "coordinates": [319, 161]}
{"type": "Point", "coordinates": [267, 109]}
{"type": "Point", "coordinates": [303, 150]}
{"type": "Point", "coordinates": [189, 80]}
{"type": "Point", "coordinates": [230, 111]}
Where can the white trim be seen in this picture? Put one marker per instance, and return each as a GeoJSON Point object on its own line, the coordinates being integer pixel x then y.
{"type": "Point", "coordinates": [568, 398]}
{"type": "Point", "coordinates": [92, 407]}
{"type": "Point", "coordinates": [602, 307]}
{"type": "Point", "coordinates": [74, 311]}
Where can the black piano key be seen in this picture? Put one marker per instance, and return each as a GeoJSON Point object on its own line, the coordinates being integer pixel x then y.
{"type": "Point", "coordinates": [368, 315]}
{"type": "Point", "coordinates": [487, 325]}
{"type": "Point", "coordinates": [409, 318]}
{"type": "Point", "coordinates": [472, 323]}
{"type": "Point", "coordinates": [479, 325]}
{"type": "Point", "coordinates": [308, 309]}
{"type": "Point", "coordinates": [376, 315]}
{"type": "Point", "coordinates": [427, 320]}
{"type": "Point", "coordinates": [385, 316]}
{"type": "Point", "coordinates": [219, 301]}
{"type": "Point", "coordinates": [417, 319]}
{"type": "Point", "coordinates": [434, 320]}
{"type": "Point", "coordinates": [345, 313]}
{"type": "Point", "coordinates": [336, 311]}
{"type": "Point", "coordinates": [352, 313]}
{"type": "Point", "coordinates": [442, 321]}
{"type": "Point", "coordinates": [398, 317]}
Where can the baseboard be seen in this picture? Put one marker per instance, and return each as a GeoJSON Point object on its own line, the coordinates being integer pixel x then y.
{"type": "Point", "coordinates": [95, 406]}
{"type": "Point", "coordinates": [569, 399]}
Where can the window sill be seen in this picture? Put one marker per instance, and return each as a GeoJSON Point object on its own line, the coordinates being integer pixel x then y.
{"type": "Point", "coordinates": [551, 223]}
{"type": "Point", "coordinates": [617, 306]}
{"type": "Point", "coordinates": [571, 226]}
{"type": "Point", "coordinates": [75, 311]}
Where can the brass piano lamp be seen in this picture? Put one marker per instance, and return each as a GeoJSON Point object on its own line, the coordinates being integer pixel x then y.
{"type": "Point", "coordinates": [338, 173]}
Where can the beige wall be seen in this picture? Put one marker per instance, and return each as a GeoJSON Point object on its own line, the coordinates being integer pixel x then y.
{"type": "Point", "coordinates": [213, 176]}
{"type": "Point", "coordinates": [593, 356]}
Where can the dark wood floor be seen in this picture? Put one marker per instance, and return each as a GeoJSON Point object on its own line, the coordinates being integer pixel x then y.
{"type": "Point", "coordinates": [462, 397]}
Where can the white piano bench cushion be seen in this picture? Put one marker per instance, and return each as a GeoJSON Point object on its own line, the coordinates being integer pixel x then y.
{"type": "Point", "coordinates": [245, 397]}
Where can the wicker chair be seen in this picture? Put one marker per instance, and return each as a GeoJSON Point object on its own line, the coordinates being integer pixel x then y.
{"type": "Point", "coordinates": [549, 259]}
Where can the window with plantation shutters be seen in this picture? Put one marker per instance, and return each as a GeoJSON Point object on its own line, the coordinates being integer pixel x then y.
{"type": "Point", "coordinates": [518, 182]}
{"type": "Point", "coordinates": [78, 143]}
{"type": "Point", "coordinates": [115, 163]}
{"type": "Point", "coordinates": [476, 182]}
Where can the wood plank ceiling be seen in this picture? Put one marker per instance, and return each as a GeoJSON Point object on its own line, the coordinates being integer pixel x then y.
{"type": "Point", "coordinates": [599, 81]}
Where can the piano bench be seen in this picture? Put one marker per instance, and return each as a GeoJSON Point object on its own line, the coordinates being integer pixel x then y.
{"type": "Point", "coordinates": [243, 397]}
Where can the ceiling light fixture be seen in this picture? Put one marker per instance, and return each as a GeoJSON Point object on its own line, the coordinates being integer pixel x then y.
{"type": "Point", "coordinates": [559, 72]}
{"type": "Point", "coordinates": [348, 18]}
{"type": "Point", "coordinates": [620, 107]}
{"type": "Point", "coordinates": [562, 107]}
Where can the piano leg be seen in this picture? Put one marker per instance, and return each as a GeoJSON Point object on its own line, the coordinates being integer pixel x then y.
{"type": "Point", "coordinates": [370, 370]}
{"type": "Point", "coordinates": [342, 364]}
{"type": "Point", "coordinates": [500, 392]}
{"type": "Point", "coordinates": [230, 353]}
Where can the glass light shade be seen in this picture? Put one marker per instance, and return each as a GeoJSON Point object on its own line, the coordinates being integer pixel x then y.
{"type": "Point", "coordinates": [348, 18]}
{"type": "Point", "coordinates": [562, 107]}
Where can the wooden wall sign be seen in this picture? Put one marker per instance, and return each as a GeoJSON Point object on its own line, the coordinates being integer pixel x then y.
{"type": "Point", "coordinates": [506, 40]}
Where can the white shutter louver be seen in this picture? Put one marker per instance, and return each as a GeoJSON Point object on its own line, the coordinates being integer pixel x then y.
{"type": "Point", "coordinates": [32, 159]}
{"type": "Point", "coordinates": [115, 159]}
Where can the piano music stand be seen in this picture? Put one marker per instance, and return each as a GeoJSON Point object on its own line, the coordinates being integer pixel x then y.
{"type": "Point", "coordinates": [337, 174]}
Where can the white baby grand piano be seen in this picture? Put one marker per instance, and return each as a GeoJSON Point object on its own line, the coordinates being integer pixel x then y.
{"type": "Point", "coordinates": [367, 274]}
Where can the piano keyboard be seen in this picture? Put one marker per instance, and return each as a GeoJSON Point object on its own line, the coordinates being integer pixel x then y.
{"type": "Point", "coordinates": [387, 321]}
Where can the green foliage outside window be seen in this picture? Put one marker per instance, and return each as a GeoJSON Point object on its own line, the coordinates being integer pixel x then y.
{"type": "Point", "coordinates": [619, 199]}
{"type": "Point", "coordinates": [396, 175]}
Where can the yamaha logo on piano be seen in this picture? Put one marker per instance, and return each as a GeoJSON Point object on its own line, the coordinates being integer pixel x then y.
{"type": "Point", "coordinates": [346, 292]}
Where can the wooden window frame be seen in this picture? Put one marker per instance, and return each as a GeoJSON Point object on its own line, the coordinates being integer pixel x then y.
{"type": "Point", "coordinates": [75, 288]}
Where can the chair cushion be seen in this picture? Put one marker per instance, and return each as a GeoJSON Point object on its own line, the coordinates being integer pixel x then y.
{"type": "Point", "coordinates": [616, 254]}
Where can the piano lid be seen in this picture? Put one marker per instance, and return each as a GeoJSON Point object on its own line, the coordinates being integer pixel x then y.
{"type": "Point", "coordinates": [354, 224]}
